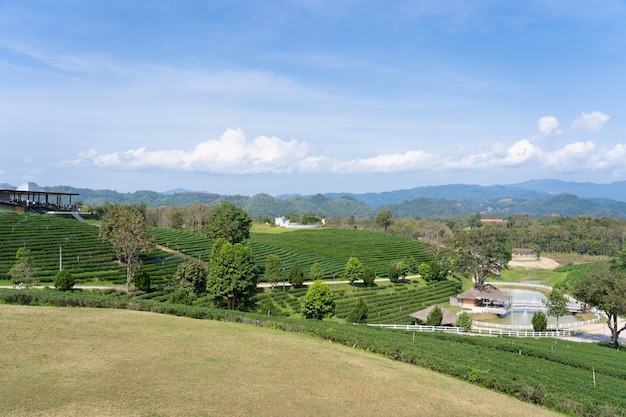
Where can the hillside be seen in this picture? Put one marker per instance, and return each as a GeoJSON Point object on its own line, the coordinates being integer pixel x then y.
{"type": "Point", "coordinates": [101, 366]}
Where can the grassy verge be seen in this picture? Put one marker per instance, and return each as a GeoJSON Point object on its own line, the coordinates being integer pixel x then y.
{"type": "Point", "coordinates": [554, 374]}
{"type": "Point", "coordinates": [88, 362]}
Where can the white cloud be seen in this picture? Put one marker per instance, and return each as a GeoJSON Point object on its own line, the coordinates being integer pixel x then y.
{"type": "Point", "coordinates": [234, 154]}
{"type": "Point", "coordinates": [230, 154]}
{"type": "Point", "coordinates": [590, 122]}
{"type": "Point", "coordinates": [521, 152]}
{"type": "Point", "coordinates": [386, 163]}
{"type": "Point", "coordinates": [572, 157]}
{"type": "Point", "coordinates": [548, 126]}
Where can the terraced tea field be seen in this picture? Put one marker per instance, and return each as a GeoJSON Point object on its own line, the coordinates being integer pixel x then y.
{"type": "Point", "coordinates": [55, 240]}
{"type": "Point", "coordinates": [331, 248]}
{"type": "Point", "coordinates": [386, 302]}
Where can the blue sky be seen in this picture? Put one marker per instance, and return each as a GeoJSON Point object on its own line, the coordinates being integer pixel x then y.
{"type": "Point", "coordinates": [310, 96]}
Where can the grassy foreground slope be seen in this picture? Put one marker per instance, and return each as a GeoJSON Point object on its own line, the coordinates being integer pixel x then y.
{"type": "Point", "coordinates": [77, 362]}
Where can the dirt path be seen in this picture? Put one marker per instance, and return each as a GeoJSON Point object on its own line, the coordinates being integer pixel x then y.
{"type": "Point", "coordinates": [534, 263]}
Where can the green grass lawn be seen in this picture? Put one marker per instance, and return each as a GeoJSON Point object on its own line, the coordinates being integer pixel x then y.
{"type": "Point", "coordinates": [93, 362]}
{"type": "Point", "coordinates": [542, 276]}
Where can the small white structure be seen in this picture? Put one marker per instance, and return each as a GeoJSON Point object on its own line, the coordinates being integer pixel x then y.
{"type": "Point", "coordinates": [284, 222]}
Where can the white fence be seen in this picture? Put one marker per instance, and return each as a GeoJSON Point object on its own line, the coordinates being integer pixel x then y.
{"type": "Point", "coordinates": [414, 328]}
{"type": "Point", "coordinates": [528, 326]}
{"type": "Point", "coordinates": [573, 305]}
{"type": "Point", "coordinates": [490, 332]}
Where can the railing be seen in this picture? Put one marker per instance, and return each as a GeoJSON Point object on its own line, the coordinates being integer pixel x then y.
{"type": "Point", "coordinates": [414, 328]}
{"type": "Point", "coordinates": [574, 305]}
{"type": "Point", "coordinates": [520, 333]}
{"type": "Point", "coordinates": [528, 326]}
{"type": "Point", "coordinates": [476, 330]}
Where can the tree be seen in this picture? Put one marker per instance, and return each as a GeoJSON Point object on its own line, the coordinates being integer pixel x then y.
{"type": "Point", "coordinates": [540, 321]}
{"type": "Point", "coordinates": [64, 280]}
{"type": "Point", "coordinates": [296, 276]}
{"type": "Point", "coordinates": [125, 227]}
{"type": "Point", "coordinates": [464, 321]}
{"type": "Point", "coordinates": [176, 220]}
{"type": "Point", "coordinates": [481, 252]}
{"type": "Point", "coordinates": [23, 271]}
{"type": "Point", "coordinates": [232, 276]}
{"type": "Point", "coordinates": [384, 219]}
{"type": "Point", "coordinates": [190, 277]}
{"type": "Point", "coordinates": [435, 317]}
{"type": "Point", "coordinates": [143, 280]}
{"type": "Point", "coordinates": [316, 272]}
{"type": "Point", "coordinates": [394, 272]}
{"type": "Point", "coordinates": [359, 312]}
{"type": "Point", "coordinates": [354, 270]}
{"type": "Point", "coordinates": [556, 303]}
{"type": "Point", "coordinates": [425, 271]}
{"type": "Point", "coordinates": [273, 269]}
{"type": "Point", "coordinates": [229, 222]}
{"type": "Point", "coordinates": [318, 301]}
{"type": "Point", "coordinates": [369, 277]}
{"type": "Point", "coordinates": [604, 287]}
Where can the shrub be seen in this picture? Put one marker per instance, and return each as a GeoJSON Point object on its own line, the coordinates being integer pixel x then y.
{"type": "Point", "coordinates": [270, 308]}
{"type": "Point", "coordinates": [64, 280]}
{"type": "Point", "coordinates": [394, 272]}
{"type": "Point", "coordinates": [540, 321]}
{"type": "Point", "coordinates": [296, 276]}
{"type": "Point", "coordinates": [181, 296]}
{"type": "Point", "coordinates": [143, 281]}
{"type": "Point", "coordinates": [425, 271]}
{"type": "Point", "coordinates": [359, 313]}
{"type": "Point", "coordinates": [318, 301]}
{"type": "Point", "coordinates": [464, 321]}
{"type": "Point", "coordinates": [435, 317]}
{"type": "Point", "coordinates": [369, 276]}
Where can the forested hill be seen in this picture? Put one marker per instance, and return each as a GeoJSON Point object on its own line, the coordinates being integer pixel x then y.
{"type": "Point", "coordinates": [540, 198]}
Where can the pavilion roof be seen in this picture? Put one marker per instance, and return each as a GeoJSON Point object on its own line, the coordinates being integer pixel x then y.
{"type": "Point", "coordinates": [488, 292]}
{"type": "Point", "coordinates": [449, 318]}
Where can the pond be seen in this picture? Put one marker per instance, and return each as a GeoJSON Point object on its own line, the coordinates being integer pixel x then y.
{"type": "Point", "coordinates": [524, 317]}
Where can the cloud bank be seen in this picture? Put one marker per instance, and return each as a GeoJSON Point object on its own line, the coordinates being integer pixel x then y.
{"type": "Point", "coordinates": [233, 153]}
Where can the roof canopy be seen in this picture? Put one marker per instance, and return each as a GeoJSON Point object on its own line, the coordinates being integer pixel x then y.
{"type": "Point", "coordinates": [30, 186]}
{"type": "Point", "coordinates": [489, 292]}
{"type": "Point", "coordinates": [449, 318]}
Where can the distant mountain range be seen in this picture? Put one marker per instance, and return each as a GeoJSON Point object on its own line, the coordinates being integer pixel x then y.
{"type": "Point", "coordinates": [535, 197]}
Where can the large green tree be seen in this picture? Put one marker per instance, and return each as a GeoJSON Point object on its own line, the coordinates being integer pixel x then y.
{"type": "Point", "coordinates": [481, 252]}
{"type": "Point", "coordinates": [318, 302]}
{"type": "Point", "coordinates": [229, 222]}
{"type": "Point", "coordinates": [190, 277]}
{"type": "Point", "coordinates": [273, 269]}
{"type": "Point", "coordinates": [604, 287]}
{"type": "Point", "coordinates": [354, 270]}
{"type": "Point", "coordinates": [23, 270]}
{"type": "Point", "coordinates": [126, 228]}
{"type": "Point", "coordinates": [232, 276]}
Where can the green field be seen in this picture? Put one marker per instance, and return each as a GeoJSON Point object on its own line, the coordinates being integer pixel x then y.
{"type": "Point", "coordinates": [575, 378]}
{"type": "Point", "coordinates": [88, 362]}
